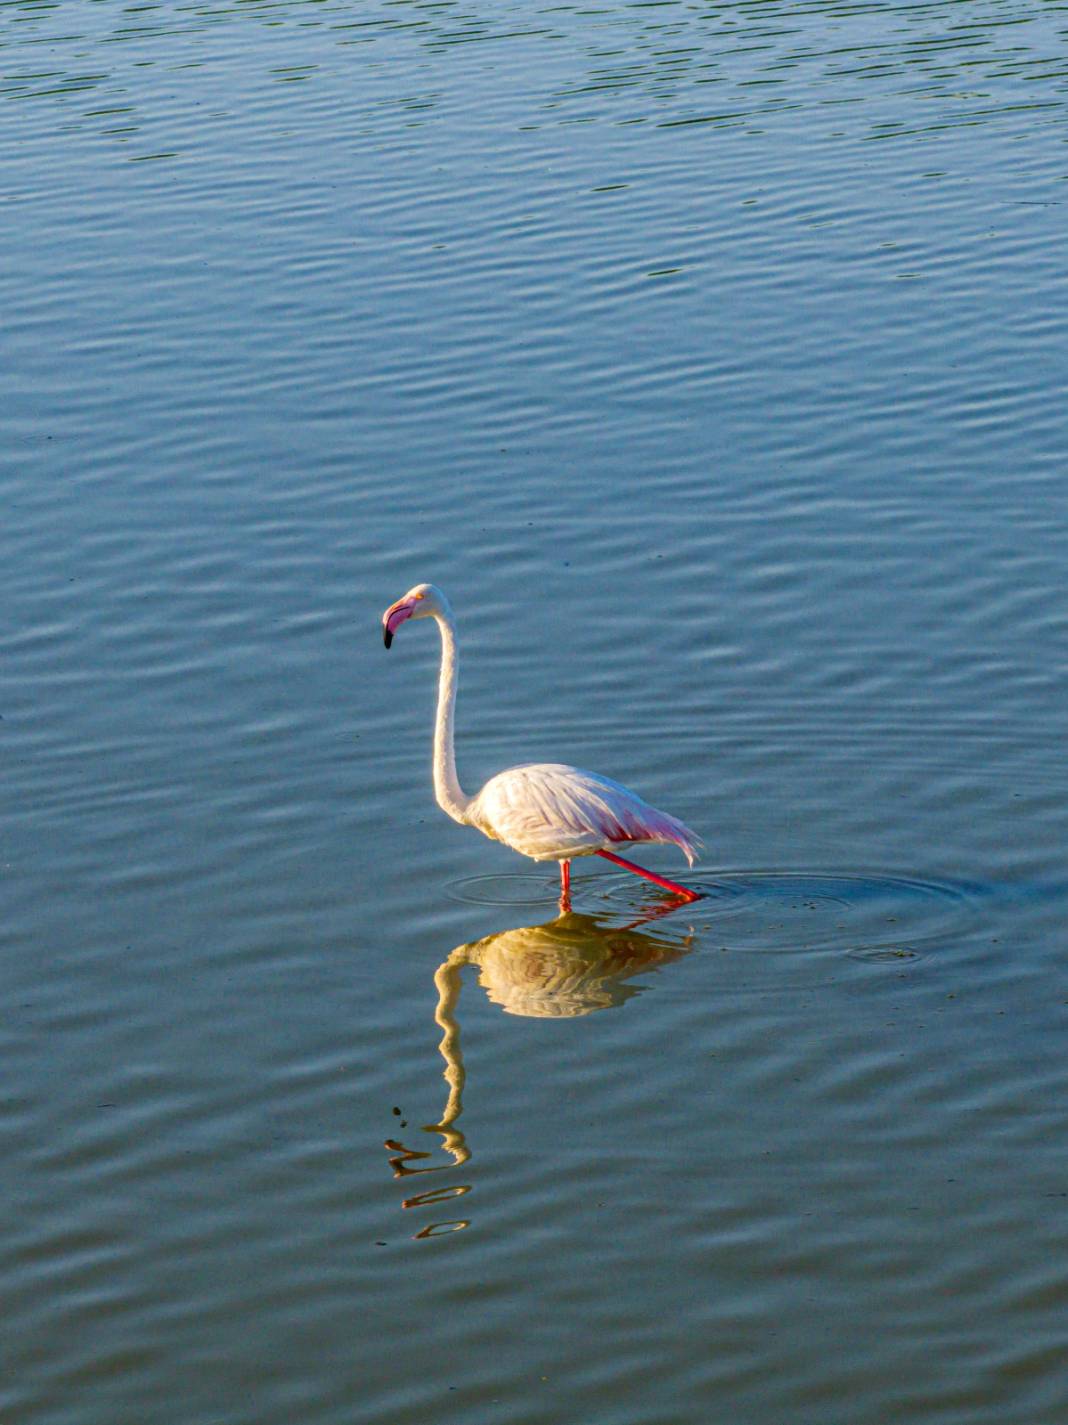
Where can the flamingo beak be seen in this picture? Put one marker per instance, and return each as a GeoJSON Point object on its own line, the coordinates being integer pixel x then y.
{"type": "Point", "coordinates": [393, 617]}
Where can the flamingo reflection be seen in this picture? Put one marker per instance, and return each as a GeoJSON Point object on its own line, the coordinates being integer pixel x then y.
{"type": "Point", "coordinates": [566, 968]}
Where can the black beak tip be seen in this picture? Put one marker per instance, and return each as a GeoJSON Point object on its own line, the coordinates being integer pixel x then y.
{"type": "Point", "coordinates": [387, 637]}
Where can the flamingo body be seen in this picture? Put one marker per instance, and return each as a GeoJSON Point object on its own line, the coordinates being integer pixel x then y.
{"type": "Point", "coordinates": [545, 810]}
{"type": "Point", "coordinates": [551, 812]}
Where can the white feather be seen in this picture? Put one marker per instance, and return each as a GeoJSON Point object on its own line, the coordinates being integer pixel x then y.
{"type": "Point", "coordinates": [552, 812]}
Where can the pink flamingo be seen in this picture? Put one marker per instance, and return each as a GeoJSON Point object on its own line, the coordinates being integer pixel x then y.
{"type": "Point", "coordinates": [544, 810]}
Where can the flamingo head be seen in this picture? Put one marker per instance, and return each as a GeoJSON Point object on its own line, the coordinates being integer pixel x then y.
{"type": "Point", "coordinates": [424, 601]}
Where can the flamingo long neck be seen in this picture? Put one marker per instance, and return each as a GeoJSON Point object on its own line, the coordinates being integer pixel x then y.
{"type": "Point", "coordinates": [448, 984]}
{"type": "Point", "coordinates": [450, 795]}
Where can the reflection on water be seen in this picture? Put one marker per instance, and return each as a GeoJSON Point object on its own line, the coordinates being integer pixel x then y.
{"type": "Point", "coordinates": [715, 356]}
{"type": "Point", "coordinates": [571, 966]}
{"type": "Point", "coordinates": [580, 963]}
{"type": "Point", "coordinates": [566, 968]}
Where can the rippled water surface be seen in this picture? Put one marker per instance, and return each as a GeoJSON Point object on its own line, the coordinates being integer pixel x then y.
{"type": "Point", "coordinates": [713, 358]}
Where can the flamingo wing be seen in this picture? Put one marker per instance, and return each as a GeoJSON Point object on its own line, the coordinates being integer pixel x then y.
{"type": "Point", "coordinates": [551, 812]}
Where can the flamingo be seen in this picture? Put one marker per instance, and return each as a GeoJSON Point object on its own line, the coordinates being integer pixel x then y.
{"type": "Point", "coordinates": [545, 810]}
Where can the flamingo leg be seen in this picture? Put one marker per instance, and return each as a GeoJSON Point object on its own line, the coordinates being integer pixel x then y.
{"type": "Point", "coordinates": [565, 886]}
{"type": "Point", "coordinates": [673, 886]}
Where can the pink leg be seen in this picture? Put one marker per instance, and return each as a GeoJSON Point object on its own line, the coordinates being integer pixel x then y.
{"type": "Point", "coordinates": [565, 885]}
{"type": "Point", "coordinates": [651, 876]}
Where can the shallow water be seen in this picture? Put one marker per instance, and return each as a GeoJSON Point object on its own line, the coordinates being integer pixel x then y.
{"type": "Point", "coordinates": [713, 359]}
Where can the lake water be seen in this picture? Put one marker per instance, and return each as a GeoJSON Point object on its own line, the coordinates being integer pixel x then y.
{"type": "Point", "coordinates": [713, 358]}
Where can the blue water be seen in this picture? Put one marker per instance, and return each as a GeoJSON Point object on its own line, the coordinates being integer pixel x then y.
{"type": "Point", "coordinates": [713, 359]}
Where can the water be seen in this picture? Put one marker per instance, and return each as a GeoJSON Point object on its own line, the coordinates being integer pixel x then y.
{"type": "Point", "coordinates": [713, 360]}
